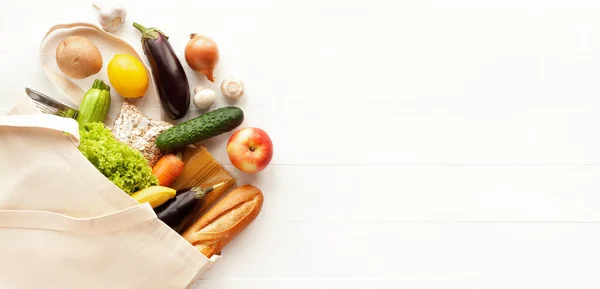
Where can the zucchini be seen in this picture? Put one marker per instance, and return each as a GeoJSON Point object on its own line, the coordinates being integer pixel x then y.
{"type": "Point", "coordinates": [95, 104]}
{"type": "Point", "coordinates": [200, 128]}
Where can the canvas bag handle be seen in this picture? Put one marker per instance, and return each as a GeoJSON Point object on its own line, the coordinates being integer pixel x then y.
{"type": "Point", "coordinates": [61, 82]}
{"type": "Point", "coordinates": [46, 220]}
{"type": "Point", "coordinates": [73, 92]}
{"type": "Point", "coordinates": [47, 121]}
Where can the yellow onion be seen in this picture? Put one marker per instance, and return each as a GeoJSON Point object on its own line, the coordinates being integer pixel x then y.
{"type": "Point", "coordinates": [202, 55]}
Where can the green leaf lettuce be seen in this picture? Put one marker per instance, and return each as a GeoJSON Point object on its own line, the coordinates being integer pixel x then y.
{"type": "Point", "coordinates": [124, 166]}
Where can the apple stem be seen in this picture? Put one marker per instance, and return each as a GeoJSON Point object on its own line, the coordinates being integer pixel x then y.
{"type": "Point", "coordinates": [252, 148]}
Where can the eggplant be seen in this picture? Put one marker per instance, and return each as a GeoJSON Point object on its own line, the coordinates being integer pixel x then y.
{"type": "Point", "coordinates": [172, 85]}
{"type": "Point", "coordinates": [173, 211]}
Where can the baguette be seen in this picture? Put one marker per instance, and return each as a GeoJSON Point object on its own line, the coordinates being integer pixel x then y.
{"type": "Point", "coordinates": [225, 220]}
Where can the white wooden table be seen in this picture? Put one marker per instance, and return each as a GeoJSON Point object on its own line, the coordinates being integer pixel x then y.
{"type": "Point", "coordinates": [418, 144]}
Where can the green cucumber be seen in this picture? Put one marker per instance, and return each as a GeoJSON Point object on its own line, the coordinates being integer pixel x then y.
{"type": "Point", "coordinates": [200, 128]}
{"type": "Point", "coordinates": [95, 104]}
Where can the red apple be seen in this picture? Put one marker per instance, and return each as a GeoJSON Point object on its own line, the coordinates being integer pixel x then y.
{"type": "Point", "coordinates": [250, 149]}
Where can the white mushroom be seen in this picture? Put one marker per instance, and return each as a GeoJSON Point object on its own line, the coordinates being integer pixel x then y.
{"type": "Point", "coordinates": [111, 18]}
{"type": "Point", "coordinates": [232, 88]}
{"type": "Point", "coordinates": [204, 98]}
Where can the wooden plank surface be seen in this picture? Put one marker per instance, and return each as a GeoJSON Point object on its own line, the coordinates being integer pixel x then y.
{"type": "Point", "coordinates": [418, 144]}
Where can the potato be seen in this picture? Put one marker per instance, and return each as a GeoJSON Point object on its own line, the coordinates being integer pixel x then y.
{"type": "Point", "coordinates": [78, 57]}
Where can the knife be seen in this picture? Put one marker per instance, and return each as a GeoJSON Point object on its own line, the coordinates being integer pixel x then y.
{"type": "Point", "coordinates": [49, 105]}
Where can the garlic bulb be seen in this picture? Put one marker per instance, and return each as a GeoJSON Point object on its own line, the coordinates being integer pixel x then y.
{"type": "Point", "coordinates": [232, 88]}
{"type": "Point", "coordinates": [204, 97]}
{"type": "Point", "coordinates": [111, 18]}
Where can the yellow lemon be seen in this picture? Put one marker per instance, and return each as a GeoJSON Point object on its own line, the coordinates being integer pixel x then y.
{"type": "Point", "coordinates": [128, 76]}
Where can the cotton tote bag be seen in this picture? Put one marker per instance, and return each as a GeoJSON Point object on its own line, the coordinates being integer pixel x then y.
{"type": "Point", "coordinates": [64, 225]}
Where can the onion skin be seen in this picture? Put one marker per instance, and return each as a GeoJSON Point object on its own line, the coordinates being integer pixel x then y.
{"type": "Point", "coordinates": [202, 55]}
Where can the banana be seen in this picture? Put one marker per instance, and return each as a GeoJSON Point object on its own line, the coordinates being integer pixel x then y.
{"type": "Point", "coordinates": [155, 195]}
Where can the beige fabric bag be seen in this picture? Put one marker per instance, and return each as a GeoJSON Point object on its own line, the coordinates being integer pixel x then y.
{"type": "Point", "coordinates": [63, 225]}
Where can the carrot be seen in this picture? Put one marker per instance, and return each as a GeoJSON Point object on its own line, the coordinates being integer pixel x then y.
{"type": "Point", "coordinates": [168, 169]}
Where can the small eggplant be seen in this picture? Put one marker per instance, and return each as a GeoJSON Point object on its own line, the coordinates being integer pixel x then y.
{"type": "Point", "coordinates": [173, 211]}
{"type": "Point", "coordinates": [171, 81]}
